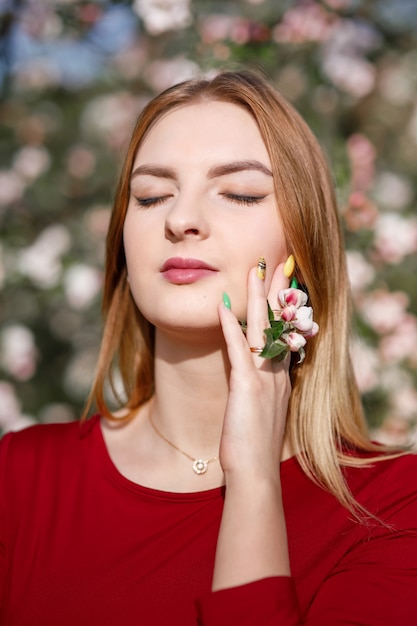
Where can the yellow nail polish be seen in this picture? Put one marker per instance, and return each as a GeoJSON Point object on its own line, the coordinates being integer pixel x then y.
{"type": "Point", "coordinates": [261, 268]}
{"type": "Point", "coordinates": [289, 266]}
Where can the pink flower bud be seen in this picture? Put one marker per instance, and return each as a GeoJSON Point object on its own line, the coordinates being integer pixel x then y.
{"type": "Point", "coordinates": [289, 313]}
{"type": "Point", "coordinates": [304, 319]}
{"type": "Point", "coordinates": [294, 340]}
{"type": "Point", "coordinates": [294, 297]}
{"type": "Point", "coordinates": [313, 331]}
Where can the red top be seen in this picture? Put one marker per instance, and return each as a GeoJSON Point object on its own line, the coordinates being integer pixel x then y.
{"type": "Point", "coordinates": [80, 545]}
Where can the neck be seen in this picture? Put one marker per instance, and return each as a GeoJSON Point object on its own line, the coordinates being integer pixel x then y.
{"type": "Point", "coordinates": [191, 392]}
{"type": "Point", "coordinates": [191, 389]}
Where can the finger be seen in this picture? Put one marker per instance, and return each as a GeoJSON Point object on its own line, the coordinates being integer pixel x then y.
{"type": "Point", "coordinates": [279, 281]}
{"type": "Point", "coordinates": [257, 311]}
{"type": "Point", "coordinates": [237, 347]}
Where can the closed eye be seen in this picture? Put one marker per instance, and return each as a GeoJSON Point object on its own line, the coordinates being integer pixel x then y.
{"type": "Point", "coordinates": [243, 199]}
{"type": "Point", "coordinates": [151, 201]}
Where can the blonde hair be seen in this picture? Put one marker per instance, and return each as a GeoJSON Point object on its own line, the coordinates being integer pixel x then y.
{"type": "Point", "coordinates": [325, 417]}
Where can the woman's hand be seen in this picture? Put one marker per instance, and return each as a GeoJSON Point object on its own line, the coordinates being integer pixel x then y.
{"type": "Point", "coordinates": [259, 389]}
{"type": "Point", "coordinates": [252, 541]}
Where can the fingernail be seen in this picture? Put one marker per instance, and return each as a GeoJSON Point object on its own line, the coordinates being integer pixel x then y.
{"type": "Point", "coordinates": [226, 301]}
{"type": "Point", "coordinates": [289, 266]}
{"type": "Point", "coordinates": [261, 268]}
{"type": "Point", "coordinates": [294, 283]}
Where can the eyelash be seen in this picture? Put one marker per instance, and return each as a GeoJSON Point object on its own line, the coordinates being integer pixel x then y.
{"type": "Point", "coordinates": [237, 199]}
{"type": "Point", "coordinates": [246, 200]}
{"type": "Point", "coordinates": [148, 202]}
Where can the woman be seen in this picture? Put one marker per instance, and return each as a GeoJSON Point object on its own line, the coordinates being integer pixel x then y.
{"type": "Point", "coordinates": [229, 488]}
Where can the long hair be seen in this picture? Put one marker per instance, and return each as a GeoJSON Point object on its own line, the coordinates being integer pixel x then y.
{"type": "Point", "coordinates": [325, 420]}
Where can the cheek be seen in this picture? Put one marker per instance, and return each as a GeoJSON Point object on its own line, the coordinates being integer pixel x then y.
{"type": "Point", "coordinates": [137, 245]}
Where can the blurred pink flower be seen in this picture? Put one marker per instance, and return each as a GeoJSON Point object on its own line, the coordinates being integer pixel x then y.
{"type": "Point", "coordinates": [395, 83]}
{"type": "Point", "coordinates": [309, 22]}
{"type": "Point", "coordinates": [361, 273]}
{"type": "Point", "coordinates": [362, 155]}
{"type": "Point", "coordinates": [11, 187]}
{"type": "Point", "coordinates": [240, 30]}
{"type": "Point", "coordinates": [81, 162]}
{"type": "Point", "coordinates": [412, 126]}
{"type": "Point", "coordinates": [394, 431]}
{"type": "Point", "coordinates": [392, 191]}
{"type": "Point", "coordinates": [343, 56]}
{"type": "Point", "coordinates": [41, 261]}
{"type": "Point", "coordinates": [338, 4]}
{"type": "Point", "coordinates": [18, 353]}
{"type": "Point", "coordinates": [384, 311]}
{"type": "Point", "coordinates": [161, 74]}
{"type": "Point", "coordinates": [11, 417]}
{"type": "Point", "coordinates": [161, 16]}
{"type": "Point", "coordinates": [110, 118]}
{"type": "Point", "coordinates": [2, 268]}
{"type": "Point", "coordinates": [395, 237]}
{"type": "Point", "coordinates": [365, 365]}
{"type": "Point", "coordinates": [360, 212]}
{"type": "Point", "coordinates": [350, 73]}
{"type": "Point", "coordinates": [30, 162]}
{"type": "Point", "coordinates": [401, 343]}
{"type": "Point", "coordinates": [82, 283]}
{"type": "Point", "coordinates": [404, 402]}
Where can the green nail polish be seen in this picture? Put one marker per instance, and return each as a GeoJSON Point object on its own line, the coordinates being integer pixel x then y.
{"type": "Point", "coordinates": [226, 301]}
{"type": "Point", "coordinates": [294, 283]}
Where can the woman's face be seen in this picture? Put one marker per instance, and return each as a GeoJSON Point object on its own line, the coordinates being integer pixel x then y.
{"type": "Point", "coordinates": [202, 210]}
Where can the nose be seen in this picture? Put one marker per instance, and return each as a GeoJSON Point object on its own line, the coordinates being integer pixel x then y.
{"type": "Point", "coordinates": [186, 219]}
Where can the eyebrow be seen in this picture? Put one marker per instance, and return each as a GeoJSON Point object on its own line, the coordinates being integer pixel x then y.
{"type": "Point", "coordinates": [214, 172]}
{"type": "Point", "coordinates": [238, 166]}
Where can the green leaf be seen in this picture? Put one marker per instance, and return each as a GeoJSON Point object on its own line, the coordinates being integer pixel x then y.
{"type": "Point", "coordinates": [274, 348]}
{"type": "Point", "coordinates": [277, 328]}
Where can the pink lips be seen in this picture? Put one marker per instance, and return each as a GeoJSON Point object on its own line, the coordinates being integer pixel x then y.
{"type": "Point", "coordinates": [186, 271]}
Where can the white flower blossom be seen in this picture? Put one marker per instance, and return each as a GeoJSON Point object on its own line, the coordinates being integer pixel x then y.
{"type": "Point", "coordinates": [395, 237]}
{"type": "Point", "coordinates": [365, 365]}
{"type": "Point", "coordinates": [18, 352]}
{"type": "Point", "coordinates": [361, 273]}
{"type": "Point", "coordinates": [30, 162]}
{"type": "Point", "coordinates": [343, 57]}
{"type": "Point", "coordinates": [11, 417]}
{"type": "Point", "coordinates": [110, 118]}
{"type": "Point", "coordinates": [161, 16]}
{"type": "Point", "coordinates": [41, 262]}
{"type": "Point", "coordinates": [384, 311]}
{"type": "Point", "coordinates": [12, 187]}
{"type": "Point", "coordinates": [81, 284]}
{"type": "Point", "coordinates": [163, 74]}
{"type": "Point", "coordinates": [392, 192]}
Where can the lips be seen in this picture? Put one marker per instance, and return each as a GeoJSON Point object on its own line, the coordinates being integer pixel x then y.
{"type": "Point", "coordinates": [181, 271]}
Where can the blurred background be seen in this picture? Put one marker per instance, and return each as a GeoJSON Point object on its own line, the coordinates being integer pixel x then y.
{"type": "Point", "coordinates": [74, 76]}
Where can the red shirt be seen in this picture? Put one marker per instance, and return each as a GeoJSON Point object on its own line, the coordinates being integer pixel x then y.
{"type": "Point", "coordinates": [81, 545]}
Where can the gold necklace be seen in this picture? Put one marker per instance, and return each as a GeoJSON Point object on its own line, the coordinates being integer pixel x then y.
{"type": "Point", "coordinates": [199, 465]}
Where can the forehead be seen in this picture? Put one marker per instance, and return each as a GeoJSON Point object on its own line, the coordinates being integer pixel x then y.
{"type": "Point", "coordinates": [216, 126]}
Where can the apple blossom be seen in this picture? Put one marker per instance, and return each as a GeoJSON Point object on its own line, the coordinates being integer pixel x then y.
{"type": "Point", "coordinates": [290, 327]}
{"type": "Point", "coordinates": [294, 340]}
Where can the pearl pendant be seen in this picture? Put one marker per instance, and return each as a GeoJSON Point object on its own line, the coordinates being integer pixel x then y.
{"type": "Point", "coordinates": [200, 466]}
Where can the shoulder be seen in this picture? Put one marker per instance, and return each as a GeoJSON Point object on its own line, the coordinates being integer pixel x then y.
{"type": "Point", "coordinates": [387, 487]}
{"type": "Point", "coordinates": [384, 469]}
{"type": "Point", "coordinates": [37, 445]}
